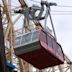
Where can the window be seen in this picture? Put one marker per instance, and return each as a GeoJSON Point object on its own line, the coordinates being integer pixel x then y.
{"type": "Point", "coordinates": [43, 36]}
{"type": "Point", "coordinates": [59, 49]}
{"type": "Point", "coordinates": [28, 37]}
{"type": "Point", "coordinates": [35, 35]}
{"type": "Point", "coordinates": [49, 40]}
{"type": "Point", "coordinates": [18, 40]}
{"type": "Point", "coordinates": [55, 45]}
{"type": "Point", "coordinates": [23, 39]}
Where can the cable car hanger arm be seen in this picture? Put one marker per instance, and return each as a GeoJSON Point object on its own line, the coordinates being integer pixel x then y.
{"type": "Point", "coordinates": [30, 12]}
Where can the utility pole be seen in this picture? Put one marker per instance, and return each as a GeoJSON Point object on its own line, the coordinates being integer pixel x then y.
{"type": "Point", "coordinates": [3, 67]}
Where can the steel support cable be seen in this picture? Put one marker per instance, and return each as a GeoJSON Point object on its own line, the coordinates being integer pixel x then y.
{"type": "Point", "coordinates": [56, 6]}
{"type": "Point", "coordinates": [62, 6]}
{"type": "Point", "coordinates": [25, 5]}
{"type": "Point", "coordinates": [57, 11]}
{"type": "Point", "coordinates": [54, 12]}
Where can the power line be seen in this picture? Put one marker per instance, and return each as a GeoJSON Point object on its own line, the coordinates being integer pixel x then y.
{"type": "Point", "coordinates": [64, 6]}
{"type": "Point", "coordinates": [61, 13]}
{"type": "Point", "coordinates": [66, 11]}
{"type": "Point", "coordinates": [45, 10]}
{"type": "Point", "coordinates": [55, 12]}
{"type": "Point", "coordinates": [10, 6]}
{"type": "Point", "coordinates": [55, 6]}
{"type": "Point", "coordinates": [35, 1]}
{"type": "Point", "coordinates": [39, 2]}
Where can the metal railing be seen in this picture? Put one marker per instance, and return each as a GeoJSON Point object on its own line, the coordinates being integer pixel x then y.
{"type": "Point", "coordinates": [26, 38]}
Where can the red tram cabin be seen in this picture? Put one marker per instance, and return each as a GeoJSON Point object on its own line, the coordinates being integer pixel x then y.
{"type": "Point", "coordinates": [39, 48]}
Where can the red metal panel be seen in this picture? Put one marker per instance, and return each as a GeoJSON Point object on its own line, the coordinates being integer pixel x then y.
{"type": "Point", "coordinates": [43, 44]}
{"type": "Point", "coordinates": [50, 49]}
{"type": "Point", "coordinates": [41, 58]}
{"type": "Point", "coordinates": [53, 51]}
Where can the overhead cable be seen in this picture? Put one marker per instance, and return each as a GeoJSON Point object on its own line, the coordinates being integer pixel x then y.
{"type": "Point", "coordinates": [55, 6]}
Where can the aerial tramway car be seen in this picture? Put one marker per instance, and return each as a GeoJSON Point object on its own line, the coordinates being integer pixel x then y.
{"type": "Point", "coordinates": [39, 48]}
